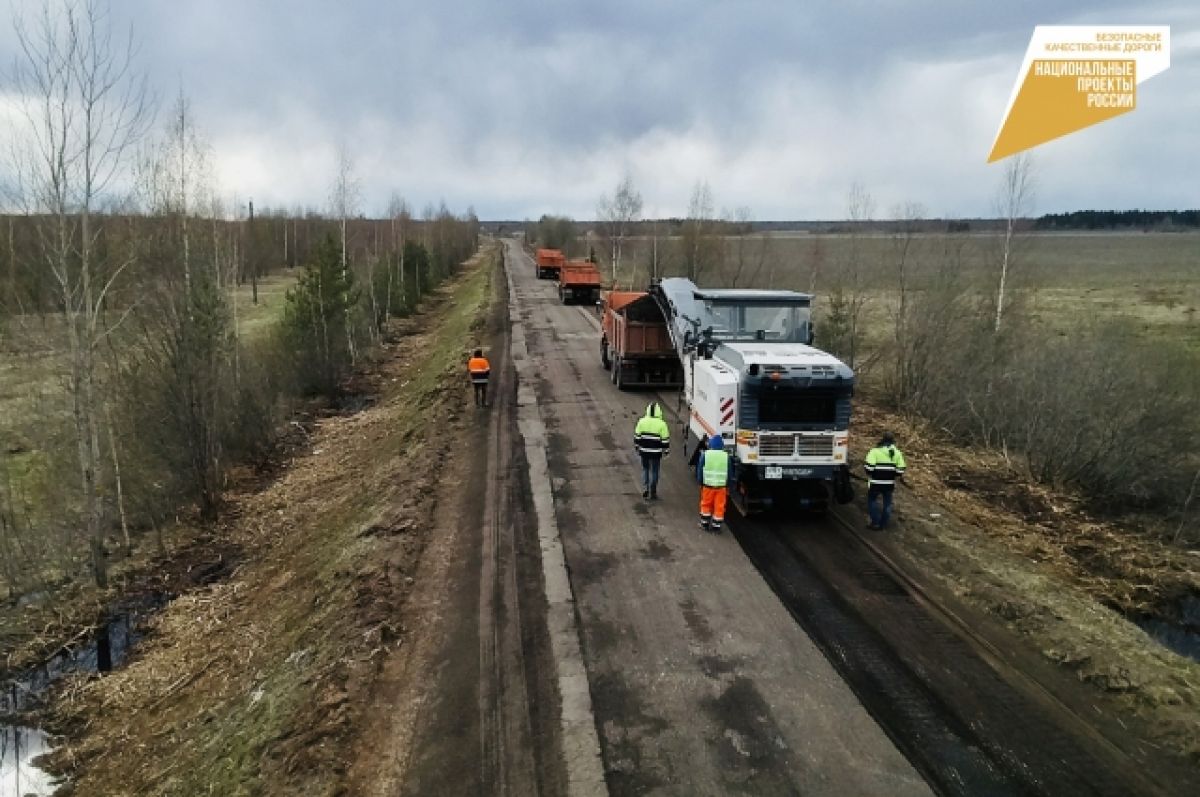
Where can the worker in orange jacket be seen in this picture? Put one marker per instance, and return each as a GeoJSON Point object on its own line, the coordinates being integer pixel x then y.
{"type": "Point", "coordinates": [480, 370]}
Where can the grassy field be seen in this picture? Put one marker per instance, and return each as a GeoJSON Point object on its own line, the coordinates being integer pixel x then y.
{"type": "Point", "coordinates": [33, 361]}
{"type": "Point", "coordinates": [254, 318]}
{"type": "Point", "coordinates": [1151, 280]}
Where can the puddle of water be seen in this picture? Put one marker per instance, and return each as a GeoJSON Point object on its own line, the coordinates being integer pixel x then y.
{"type": "Point", "coordinates": [1183, 636]}
{"type": "Point", "coordinates": [20, 744]}
{"type": "Point", "coordinates": [18, 777]}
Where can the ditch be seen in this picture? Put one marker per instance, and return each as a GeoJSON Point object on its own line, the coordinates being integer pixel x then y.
{"type": "Point", "coordinates": [22, 739]}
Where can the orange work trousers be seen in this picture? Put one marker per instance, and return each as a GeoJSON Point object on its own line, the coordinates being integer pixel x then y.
{"type": "Point", "coordinates": [712, 503]}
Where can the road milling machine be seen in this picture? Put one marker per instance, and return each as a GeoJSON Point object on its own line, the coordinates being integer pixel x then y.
{"type": "Point", "coordinates": [752, 376]}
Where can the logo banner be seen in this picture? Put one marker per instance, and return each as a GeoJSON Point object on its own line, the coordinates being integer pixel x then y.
{"type": "Point", "coordinates": [1077, 76]}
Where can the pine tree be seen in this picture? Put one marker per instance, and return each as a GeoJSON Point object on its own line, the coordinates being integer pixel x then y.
{"type": "Point", "coordinates": [319, 319]}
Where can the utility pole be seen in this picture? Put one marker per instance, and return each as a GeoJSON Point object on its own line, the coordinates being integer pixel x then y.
{"type": "Point", "coordinates": [251, 258]}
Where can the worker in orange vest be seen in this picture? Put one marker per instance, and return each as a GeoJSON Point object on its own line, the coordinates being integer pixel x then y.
{"type": "Point", "coordinates": [712, 471]}
{"type": "Point", "coordinates": [480, 369]}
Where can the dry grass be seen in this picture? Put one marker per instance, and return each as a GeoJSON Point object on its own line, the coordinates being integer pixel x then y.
{"type": "Point", "coordinates": [254, 685]}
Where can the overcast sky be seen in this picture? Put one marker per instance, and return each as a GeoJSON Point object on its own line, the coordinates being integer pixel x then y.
{"type": "Point", "coordinates": [520, 107]}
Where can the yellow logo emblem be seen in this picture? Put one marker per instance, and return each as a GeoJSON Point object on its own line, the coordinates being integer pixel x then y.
{"type": "Point", "coordinates": [1074, 77]}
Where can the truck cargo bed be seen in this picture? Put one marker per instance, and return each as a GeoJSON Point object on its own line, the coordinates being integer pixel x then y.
{"type": "Point", "coordinates": [636, 344]}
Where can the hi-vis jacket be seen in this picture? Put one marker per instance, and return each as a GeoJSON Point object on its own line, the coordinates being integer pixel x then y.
{"type": "Point", "coordinates": [714, 468]}
{"type": "Point", "coordinates": [883, 465]}
{"type": "Point", "coordinates": [480, 369]}
{"type": "Point", "coordinates": [652, 436]}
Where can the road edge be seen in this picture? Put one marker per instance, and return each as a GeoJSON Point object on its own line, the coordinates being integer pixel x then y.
{"type": "Point", "coordinates": [580, 742]}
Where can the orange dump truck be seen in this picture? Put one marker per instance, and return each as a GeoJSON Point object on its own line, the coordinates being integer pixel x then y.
{"type": "Point", "coordinates": [579, 281]}
{"type": "Point", "coordinates": [549, 262]}
{"type": "Point", "coordinates": [635, 344]}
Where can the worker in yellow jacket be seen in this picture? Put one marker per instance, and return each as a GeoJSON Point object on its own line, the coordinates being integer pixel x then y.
{"type": "Point", "coordinates": [884, 466]}
{"type": "Point", "coordinates": [652, 439]}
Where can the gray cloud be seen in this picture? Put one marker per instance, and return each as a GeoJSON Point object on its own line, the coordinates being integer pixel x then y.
{"type": "Point", "coordinates": [525, 107]}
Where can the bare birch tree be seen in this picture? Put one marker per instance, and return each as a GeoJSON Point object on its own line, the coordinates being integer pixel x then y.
{"type": "Point", "coordinates": [1013, 203]}
{"type": "Point", "coordinates": [85, 106]}
{"type": "Point", "coordinates": [617, 216]}
{"type": "Point", "coordinates": [904, 240]}
{"type": "Point", "coordinates": [655, 252]}
{"type": "Point", "coordinates": [699, 236]}
{"type": "Point", "coordinates": [400, 220]}
{"type": "Point", "coordinates": [344, 198]}
{"type": "Point", "coordinates": [849, 298]}
{"type": "Point", "coordinates": [749, 253]}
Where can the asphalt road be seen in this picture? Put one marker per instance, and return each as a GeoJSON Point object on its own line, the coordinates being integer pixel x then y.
{"type": "Point", "coordinates": [700, 680]}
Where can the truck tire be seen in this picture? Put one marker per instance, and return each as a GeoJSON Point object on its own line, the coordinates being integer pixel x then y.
{"type": "Point", "coordinates": [843, 488]}
{"type": "Point", "coordinates": [604, 360]}
{"type": "Point", "coordinates": [618, 374]}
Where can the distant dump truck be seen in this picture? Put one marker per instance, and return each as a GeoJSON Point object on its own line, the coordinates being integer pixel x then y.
{"type": "Point", "coordinates": [549, 262]}
{"type": "Point", "coordinates": [635, 343]}
{"type": "Point", "coordinates": [579, 281]}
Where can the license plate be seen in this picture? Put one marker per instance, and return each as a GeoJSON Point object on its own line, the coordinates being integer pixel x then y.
{"type": "Point", "coordinates": [773, 472]}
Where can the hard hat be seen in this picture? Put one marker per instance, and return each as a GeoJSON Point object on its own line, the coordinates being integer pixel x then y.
{"type": "Point", "coordinates": [716, 443]}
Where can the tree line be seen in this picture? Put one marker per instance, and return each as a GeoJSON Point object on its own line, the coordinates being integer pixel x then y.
{"type": "Point", "coordinates": [1118, 219]}
{"type": "Point", "coordinates": [130, 315]}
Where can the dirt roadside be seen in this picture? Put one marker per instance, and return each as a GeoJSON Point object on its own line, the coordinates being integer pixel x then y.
{"type": "Point", "coordinates": [471, 707]}
{"type": "Point", "coordinates": [1067, 583]}
{"type": "Point", "coordinates": [261, 682]}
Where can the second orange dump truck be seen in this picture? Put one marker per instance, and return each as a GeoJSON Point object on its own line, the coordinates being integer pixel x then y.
{"type": "Point", "coordinates": [635, 344]}
{"type": "Point", "coordinates": [579, 281]}
{"type": "Point", "coordinates": [549, 263]}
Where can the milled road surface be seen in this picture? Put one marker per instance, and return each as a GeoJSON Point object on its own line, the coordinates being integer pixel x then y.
{"type": "Point", "coordinates": [700, 680]}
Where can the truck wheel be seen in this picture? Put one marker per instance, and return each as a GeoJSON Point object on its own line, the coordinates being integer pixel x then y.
{"type": "Point", "coordinates": [616, 373]}
{"type": "Point", "coordinates": [843, 488]}
{"type": "Point", "coordinates": [604, 360]}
